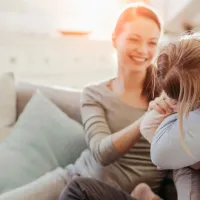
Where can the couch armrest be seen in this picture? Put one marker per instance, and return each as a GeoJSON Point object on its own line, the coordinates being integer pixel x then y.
{"type": "Point", "coordinates": [67, 99]}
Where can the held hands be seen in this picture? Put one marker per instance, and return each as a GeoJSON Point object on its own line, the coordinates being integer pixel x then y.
{"type": "Point", "coordinates": [158, 110]}
{"type": "Point", "coordinates": [163, 105]}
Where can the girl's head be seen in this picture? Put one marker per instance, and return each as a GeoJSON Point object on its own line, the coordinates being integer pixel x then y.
{"type": "Point", "coordinates": [179, 74]}
{"type": "Point", "coordinates": [136, 36]}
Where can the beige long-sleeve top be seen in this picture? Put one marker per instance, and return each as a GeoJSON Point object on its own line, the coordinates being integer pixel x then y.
{"type": "Point", "coordinates": [103, 114]}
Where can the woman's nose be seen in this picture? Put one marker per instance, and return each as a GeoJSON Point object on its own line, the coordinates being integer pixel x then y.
{"type": "Point", "coordinates": [142, 48]}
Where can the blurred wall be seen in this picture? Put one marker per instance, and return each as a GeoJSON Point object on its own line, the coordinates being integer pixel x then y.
{"type": "Point", "coordinates": [65, 61]}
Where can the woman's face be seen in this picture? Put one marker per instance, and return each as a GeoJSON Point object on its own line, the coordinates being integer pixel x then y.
{"type": "Point", "coordinates": [136, 44]}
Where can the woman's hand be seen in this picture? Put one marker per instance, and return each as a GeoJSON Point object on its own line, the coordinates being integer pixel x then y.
{"type": "Point", "coordinates": [163, 104]}
{"type": "Point", "coordinates": [158, 110]}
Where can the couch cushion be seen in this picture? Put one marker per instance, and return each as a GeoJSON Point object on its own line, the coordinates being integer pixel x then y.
{"type": "Point", "coordinates": [67, 99]}
{"type": "Point", "coordinates": [42, 139]}
{"type": "Point", "coordinates": [7, 104]}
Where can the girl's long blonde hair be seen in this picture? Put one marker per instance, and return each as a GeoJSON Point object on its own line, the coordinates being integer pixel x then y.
{"type": "Point", "coordinates": [178, 71]}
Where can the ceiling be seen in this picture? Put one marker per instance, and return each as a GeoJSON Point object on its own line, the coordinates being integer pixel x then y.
{"type": "Point", "coordinates": [177, 13]}
{"type": "Point", "coordinates": [48, 16]}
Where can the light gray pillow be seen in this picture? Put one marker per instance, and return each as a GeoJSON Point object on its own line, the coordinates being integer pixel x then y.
{"type": "Point", "coordinates": [42, 139]}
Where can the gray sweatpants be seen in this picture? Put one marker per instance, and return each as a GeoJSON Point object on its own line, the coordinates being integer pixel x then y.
{"type": "Point", "coordinates": [187, 182]}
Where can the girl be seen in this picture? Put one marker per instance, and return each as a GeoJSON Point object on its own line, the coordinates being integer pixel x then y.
{"type": "Point", "coordinates": [177, 140]}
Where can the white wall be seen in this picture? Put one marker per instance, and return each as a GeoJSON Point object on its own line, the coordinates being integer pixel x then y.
{"type": "Point", "coordinates": [50, 16]}
{"type": "Point", "coordinates": [65, 61]}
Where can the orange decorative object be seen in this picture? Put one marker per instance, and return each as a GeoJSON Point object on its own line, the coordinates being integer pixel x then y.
{"type": "Point", "coordinates": [74, 33]}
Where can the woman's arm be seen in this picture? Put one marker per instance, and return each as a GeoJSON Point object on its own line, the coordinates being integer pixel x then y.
{"type": "Point", "coordinates": [106, 147]}
{"type": "Point", "coordinates": [167, 151]}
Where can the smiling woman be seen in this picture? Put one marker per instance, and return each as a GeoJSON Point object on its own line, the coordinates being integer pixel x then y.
{"type": "Point", "coordinates": [139, 45]}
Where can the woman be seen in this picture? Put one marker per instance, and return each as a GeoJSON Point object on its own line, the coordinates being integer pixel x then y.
{"type": "Point", "coordinates": [111, 112]}
{"type": "Point", "coordinates": [111, 109]}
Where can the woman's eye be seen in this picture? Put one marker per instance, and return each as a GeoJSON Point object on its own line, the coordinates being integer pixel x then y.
{"type": "Point", "coordinates": [153, 43]}
{"type": "Point", "coordinates": [134, 40]}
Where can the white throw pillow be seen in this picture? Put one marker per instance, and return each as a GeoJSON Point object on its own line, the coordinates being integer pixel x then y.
{"type": "Point", "coordinates": [7, 103]}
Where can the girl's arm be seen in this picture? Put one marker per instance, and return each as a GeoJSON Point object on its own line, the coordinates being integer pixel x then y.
{"type": "Point", "coordinates": [167, 150]}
